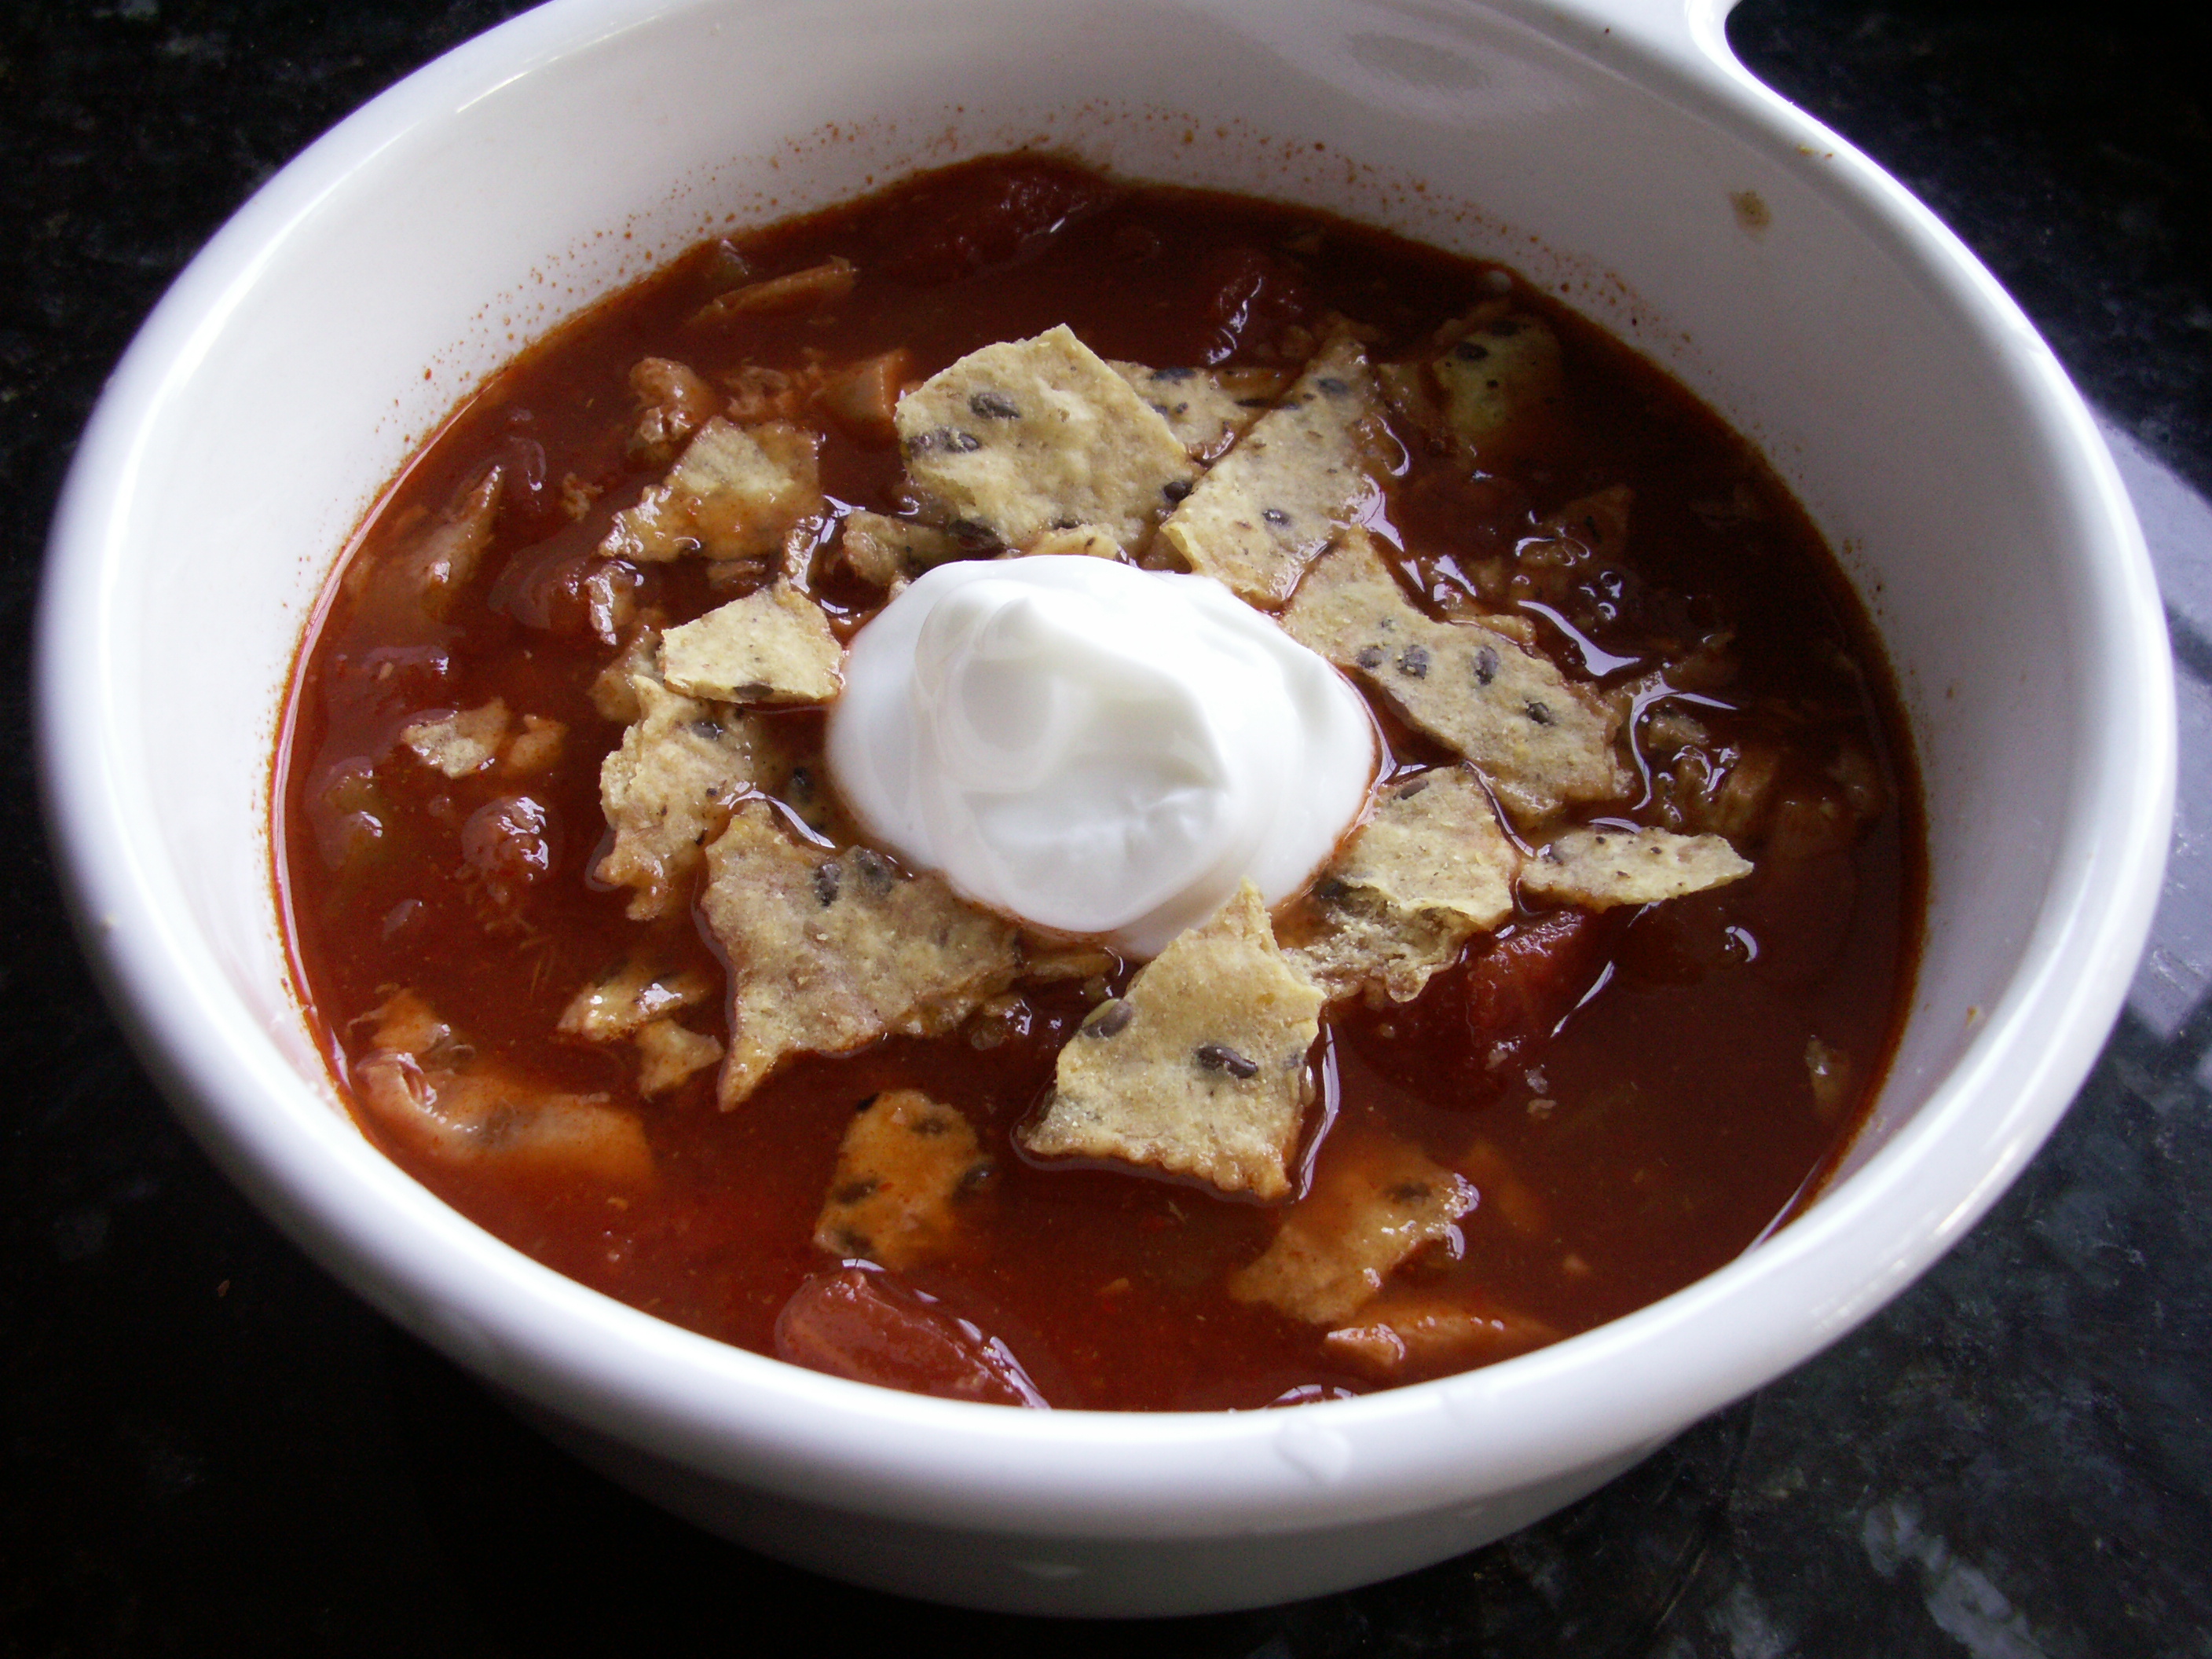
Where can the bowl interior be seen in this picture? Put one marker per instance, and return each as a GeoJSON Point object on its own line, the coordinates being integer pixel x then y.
{"type": "Point", "coordinates": [328, 330]}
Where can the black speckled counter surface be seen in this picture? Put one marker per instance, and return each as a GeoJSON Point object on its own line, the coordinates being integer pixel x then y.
{"type": "Point", "coordinates": [206, 1446]}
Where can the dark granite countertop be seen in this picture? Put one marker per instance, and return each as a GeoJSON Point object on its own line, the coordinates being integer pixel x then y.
{"type": "Point", "coordinates": [206, 1445]}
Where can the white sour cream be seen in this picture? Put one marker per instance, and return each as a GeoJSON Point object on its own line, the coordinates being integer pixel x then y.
{"type": "Point", "coordinates": [1094, 748]}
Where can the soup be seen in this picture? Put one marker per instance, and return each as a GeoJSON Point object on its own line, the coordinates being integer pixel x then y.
{"type": "Point", "coordinates": [1589, 992]}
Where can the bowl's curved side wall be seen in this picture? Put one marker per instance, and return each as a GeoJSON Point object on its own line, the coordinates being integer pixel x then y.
{"type": "Point", "coordinates": [1066, 1576]}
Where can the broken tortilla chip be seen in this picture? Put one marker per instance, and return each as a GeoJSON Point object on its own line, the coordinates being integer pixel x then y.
{"type": "Point", "coordinates": [736, 493]}
{"type": "Point", "coordinates": [1601, 868]}
{"type": "Point", "coordinates": [1027, 434]}
{"type": "Point", "coordinates": [1298, 477]}
{"type": "Point", "coordinates": [1199, 1070]}
{"type": "Point", "coordinates": [1208, 409]}
{"type": "Point", "coordinates": [906, 1168]}
{"type": "Point", "coordinates": [1431, 868]}
{"type": "Point", "coordinates": [1374, 1204]}
{"type": "Point", "coordinates": [829, 950]}
{"type": "Point", "coordinates": [1538, 739]}
{"type": "Point", "coordinates": [775, 645]}
{"type": "Point", "coordinates": [668, 787]}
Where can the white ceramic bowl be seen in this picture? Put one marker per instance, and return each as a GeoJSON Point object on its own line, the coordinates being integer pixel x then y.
{"type": "Point", "coordinates": [1609, 149]}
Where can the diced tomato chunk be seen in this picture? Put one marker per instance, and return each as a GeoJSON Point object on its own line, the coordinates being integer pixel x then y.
{"type": "Point", "coordinates": [1251, 297]}
{"type": "Point", "coordinates": [1501, 1004]}
{"type": "Point", "coordinates": [1525, 984]}
{"type": "Point", "coordinates": [983, 219]}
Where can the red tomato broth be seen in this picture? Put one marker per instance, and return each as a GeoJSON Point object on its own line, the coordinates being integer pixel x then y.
{"type": "Point", "coordinates": [1668, 1123]}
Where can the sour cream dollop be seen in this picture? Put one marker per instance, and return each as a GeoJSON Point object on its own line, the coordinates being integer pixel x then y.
{"type": "Point", "coordinates": [1094, 748]}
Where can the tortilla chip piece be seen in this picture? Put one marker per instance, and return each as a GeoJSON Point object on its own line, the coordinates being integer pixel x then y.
{"type": "Point", "coordinates": [1372, 1205]}
{"type": "Point", "coordinates": [1539, 739]}
{"type": "Point", "coordinates": [796, 290]}
{"type": "Point", "coordinates": [1200, 1069]}
{"type": "Point", "coordinates": [1207, 409]}
{"type": "Point", "coordinates": [906, 1170]}
{"type": "Point", "coordinates": [1083, 541]}
{"type": "Point", "coordinates": [1050, 959]}
{"type": "Point", "coordinates": [421, 1084]}
{"type": "Point", "coordinates": [1272, 504]}
{"type": "Point", "coordinates": [537, 747]}
{"type": "Point", "coordinates": [466, 742]}
{"type": "Point", "coordinates": [627, 997]}
{"type": "Point", "coordinates": [735, 495]}
{"type": "Point", "coordinates": [1402, 1335]}
{"type": "Point", "coordinates": [669, 1053]}
{"type": "Point", "coordinates": [1430, 870]}
{"type": "Point", "coordinates": [458, 743]}
{"type": "Point", "coordinates": [1025, 435]}
{"type": "Point", "coordinates": [613, 691]}
{"type": "Point", "coordinates": [634, 1000]}
{"type": "Point", "coordinates": [829, 951]}
{"type": "Point", "coordinates": [1500, 375]}
{"type": "Point", "coordinates": [772, 645]}
{"type": "Point", "coordinates": [1599, 869]}
{"type": "Point", "coordinates": [667, 790]}
{"type": "Point", "coordinates": [882, 549]}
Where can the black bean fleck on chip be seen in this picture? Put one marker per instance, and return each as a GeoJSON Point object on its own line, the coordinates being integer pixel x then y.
{"type": "Point", "coordinates": [1409, 1192]}
{"type": "Point", "coordinates": [1539, 712]}
{"type": "Point", "coordinates": [854, 1191]}
{"type": "Point", "coordinates": [1413, 662]}
{"type": "Point", "coordinates": [1407, 791]}
{"type": "Point", "coordinates": [1467, 352]}
{"type": "Point", "coordinates": [1331, 890]}
{"type": "Point", "coordinates": [927, 1126]}
{"type": "Point", "coordinates": [1220, 1057]}
{"type": "Point", "coordinates": [1110, 1018]}
{"type": "Point", "coordinates": [826, 879]}
{"type": "Point", "coordinates": [802, 783]}
{"type": "Point", "coordinates": [1486, 666]}
{"type": "Point", "coordinates": [1332, 385]}
{"type": "Point", "coordinates": [1173, 374]}
{"type": "Point", "coordinates": [1369, 656]}
{"type": "Point", "coordinates": [1275, 515]}
{"type": "Point", "coordinates": [976, 1177]}
{"type": "Point", "coordinates": [994, 406]}
{"type": "Point", "coordinates": [1175, 489]}
{"type": "Point", "coordinates": [959, 443]}
{"type": "Point", "coordinates": [708, 727]}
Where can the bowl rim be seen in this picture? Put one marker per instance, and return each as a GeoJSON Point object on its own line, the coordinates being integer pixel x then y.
{"type": "Point", "coordinates": [741, 1416]}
